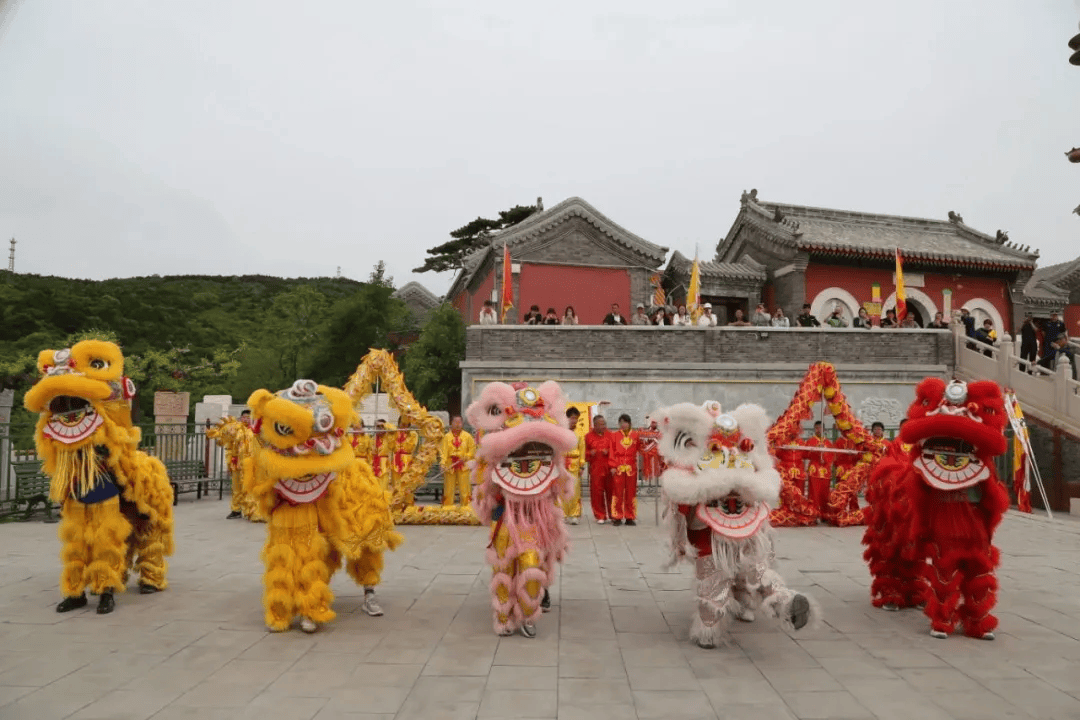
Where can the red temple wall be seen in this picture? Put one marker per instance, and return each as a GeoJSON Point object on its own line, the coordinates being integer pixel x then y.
{"type": "Point", "coordinates": [590, 290]}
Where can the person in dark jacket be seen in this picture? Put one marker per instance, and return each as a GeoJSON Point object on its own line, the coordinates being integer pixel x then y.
{"type": "Point", "coordinates": [1029, 343]}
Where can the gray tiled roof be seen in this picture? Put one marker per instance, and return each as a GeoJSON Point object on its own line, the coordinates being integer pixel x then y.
{"type": "Point", "coordinates": [416, 292]}
{"type": "Point", "coordinates": [721, 270]}
{"type": "Point", "coordinates": [1062, 274]}
{"type": "Point", "coordinates": [948, 242]}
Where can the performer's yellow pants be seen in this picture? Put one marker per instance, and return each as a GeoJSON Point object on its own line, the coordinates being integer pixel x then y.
{"type": "Point", "coordinates": [146, 551]}
{"type": "Point", "coordinates": [94, 549]}
{"type": "Point", "coordinates": [572, 507]}
{"type": "Point", "coordinates": [456, 480]}
{"type": "Point", "coordinates": [237, 490]}
{"type": "Point", "coordinates": [299, 562]}
{"type": "Point", "coordinates": [518, 579]}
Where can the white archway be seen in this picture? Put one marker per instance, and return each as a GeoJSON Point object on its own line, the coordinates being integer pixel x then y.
{"type": "Point", "coordinates": [829, 298]}
{"type": "Point", "coordinates": [926, 305]}
{"type": "Point", "coordinates": [981, 310]}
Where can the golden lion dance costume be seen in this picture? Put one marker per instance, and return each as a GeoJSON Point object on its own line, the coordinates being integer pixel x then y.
{"type": "Point", "coordinates": [718, 486]}
{"type": "Point", "coordinates": [238, 440]}
{"type": "Point", "coordinates": [116, 501]}
{"type": "Point", "coordinates": [323, 504]}
{"type": "Point", "coordinates": [934, 509]}
{"type": "Point", "coordinates": [521, 476]}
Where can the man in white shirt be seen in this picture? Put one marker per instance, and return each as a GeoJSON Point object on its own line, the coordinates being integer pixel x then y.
{"type": "Point", "coordinates": [640, 318]}
{"type": "Point", "coordinates": [707, 319]}
{"type": "Point", "coordinates": [487, 315]}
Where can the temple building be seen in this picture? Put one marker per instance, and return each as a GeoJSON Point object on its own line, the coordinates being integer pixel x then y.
{"type": "Point", "coordinates": [1057, 287]}
{"type": "Point", "coordinates": [840, 258]}
{"type": "Point", "coordinates": [569, 254]}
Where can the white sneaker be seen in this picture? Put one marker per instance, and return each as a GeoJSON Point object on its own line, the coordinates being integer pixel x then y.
{"type": "Point", "coordinates": [601, 522]}
{"type": "Point", "coordinates": [528, 630]}
{"type": "Point", "coordinates": [938, 634]}
{"type": "Point", "coordinates": [891, 607]}
{"type": "Point", "coordinates": [308, 625]}
{"type": "Point", "coordinates": [573, 521]}
{"type": "Point", "coordinates": [371, 606]}
{"type": "Point", "coordinates": [745, 614]}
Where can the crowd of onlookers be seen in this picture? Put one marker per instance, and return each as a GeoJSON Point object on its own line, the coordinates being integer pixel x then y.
{"type": "Point", "coordinates": [678, 316]}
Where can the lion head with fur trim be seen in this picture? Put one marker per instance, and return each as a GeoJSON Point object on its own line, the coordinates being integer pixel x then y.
{"type": "Point", "coordinates": [719, 463]}
{"type": "Point", "coordinates": [300, 435]}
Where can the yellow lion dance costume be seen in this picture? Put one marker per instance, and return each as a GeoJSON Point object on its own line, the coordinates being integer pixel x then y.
{"type": "Point", "coordinates": [116, 501]}
{"type": "Point", "coordinates": [323, 504]}
{"type": "Point", "coordinates": [236, 437]}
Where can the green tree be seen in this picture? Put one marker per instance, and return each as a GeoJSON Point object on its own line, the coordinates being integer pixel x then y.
{"type": "Point", "coordinates": [298, 318]}
{"type": "Point", "coordinates": [379, 277]}
{"type": "Point", "coordinates": [468, 238]}
{"type": "Point", "coordinates": [356, 325]}
{"type": "Point", "coordinates": [432, 363]}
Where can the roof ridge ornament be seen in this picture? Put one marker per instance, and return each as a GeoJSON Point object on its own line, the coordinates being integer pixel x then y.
{"type": "Point", "coordinates": [1002, 238]}
{"type": "Point", "coordinates": [955, 218]}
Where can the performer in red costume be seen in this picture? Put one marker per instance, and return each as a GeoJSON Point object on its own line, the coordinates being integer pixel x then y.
{"type": "Point", "coordinates": [845, 463]}
{"type": "Point", "coordinates": [625, 446]}
{"type": "Point", "coordinates": [597, 454]}
{"type": "Point", "coordinates": [651, 464]}
{"type": "Point", "coordinates": [935, 509]}
{"type": "Point", "coordinates": [819, 471]}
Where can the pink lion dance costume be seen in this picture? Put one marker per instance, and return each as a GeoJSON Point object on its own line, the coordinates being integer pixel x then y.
{"type": "Point", "coordinates": [521, 473]}
{"type": "Point", "coordinates": [934, 510]}
{"type": "Point", "coordinates": [718, 486]}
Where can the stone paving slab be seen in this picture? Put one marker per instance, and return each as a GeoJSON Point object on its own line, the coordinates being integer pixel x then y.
{"type": "Point", "coordinates": [614, 646]}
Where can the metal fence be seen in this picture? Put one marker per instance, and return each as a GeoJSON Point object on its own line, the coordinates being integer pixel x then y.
{"type": "Point", "coordinates": [194, 462]}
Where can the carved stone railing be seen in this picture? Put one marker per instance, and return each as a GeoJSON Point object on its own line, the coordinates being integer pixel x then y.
{"type": "Point", "coordinates": [1050, 396]}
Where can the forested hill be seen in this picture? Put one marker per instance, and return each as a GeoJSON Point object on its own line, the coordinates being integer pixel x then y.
{"type": "Point", "coordinates": [204, 334]}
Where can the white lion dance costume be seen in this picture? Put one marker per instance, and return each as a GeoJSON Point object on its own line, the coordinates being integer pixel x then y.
{"type": "Point", "coordinates": [521, 476]}
{"type": "Point", "coordinates": [116, 501]}
{"type": "Point", "coordinates": [718, 487]}
{"type": "Point", "coordinates": [322, 503]}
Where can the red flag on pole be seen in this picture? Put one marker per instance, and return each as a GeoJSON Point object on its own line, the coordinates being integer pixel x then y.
{"type": "Point", "coordinates": [507, 284]}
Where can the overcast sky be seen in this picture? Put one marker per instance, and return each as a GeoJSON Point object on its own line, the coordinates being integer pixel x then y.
{"type": "Point", "coordinates": [241, 136]}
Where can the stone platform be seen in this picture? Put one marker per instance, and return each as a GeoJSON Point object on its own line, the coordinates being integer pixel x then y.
{"type": "Point", "coordinates": [614, 646]}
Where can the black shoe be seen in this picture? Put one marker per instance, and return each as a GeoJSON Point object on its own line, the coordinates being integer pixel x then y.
{"type": "Point", "coordinates": [71, 603]}
{"type": "Point", "coordinates": [145, 589]}
{"type": "Point", "coordinates": [106, 604]}
{"type": "Point", "coordinates": [234, 514]}
{"type": "Point", "coordinates": [631, 523]}
{"type": "Point", "coordinates": [545, 604]}
{"type": "Point", "coordinates": [616, 523]}
{"type": "Point", "coordinates": [799, 613]}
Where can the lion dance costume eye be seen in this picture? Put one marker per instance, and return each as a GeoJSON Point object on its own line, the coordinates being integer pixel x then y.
{"type": "Point", "coordinates": [116, 501]}
{"type": "Point", "coordinates": [323, 505]}
{"type": "Point", "coordinates": [935, 506]}
{"type": "Point", "coordinates": [718, 486]}
{"type": "Point", "coordinates": [521, 477]}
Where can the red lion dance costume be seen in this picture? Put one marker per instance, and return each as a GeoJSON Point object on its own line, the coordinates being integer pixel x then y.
{"type": "Point", "coordinates": [934, 510]}
{"type": "Point", "coordinates": [521, 474]}
{"type": "Point", "coordinates": [718, 485]}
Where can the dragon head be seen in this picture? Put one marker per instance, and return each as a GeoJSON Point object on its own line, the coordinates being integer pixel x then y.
{"type": "Point", "coordinates": [720, 463]}
{"type": "Point", "coordinates": [956, 429]}
{"type": "Point", "coordinates": [300, 433]}
{"type": "Point", "coordinates": [80, 389]}
{"type": "Point", "coordinates": [525, 435]}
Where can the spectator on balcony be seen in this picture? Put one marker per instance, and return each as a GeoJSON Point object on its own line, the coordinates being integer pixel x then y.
{"type": "Point", "coordinates": [550, 318]}
{"type": "Point", "coordinates": [890, 321]}
{"type": "Point", "coordinates": [836, 319]}
{"type": "Point", "coordinates": [660, 317]}
{"type": "Point", "coordinates": [533, 317]}
{"type": "Point", "coordinates": [909, 322]}
{"type": "Point", "coordinates": [987, 336]}
{"type": "Point", "coordinates": [488, 315]}
{"type": "Point", "coordinates": [939, 322]}
{"type": "Point", "coordinates": [968, 322]}
{"type": "Point", "coordinates": [779, 319]}
{"type": "Point", "coordinates": [761, 317]}
{"type": "Point", "coordinates": [640, 317]}
{"type": "Point", "coordinates": [806, 319]}
{"type": "Point", "coordinates": [707, 319]}
{"type": "Point", "coordinates": [569, 317]}
{"type": "Point", "coordinates": [739, 320]}
{"type": "Point", "coordinates": [862, 320]}
{"type": "Point", "coordinates": [1029, 344]}
{"type": "Point", "coordinates": [613, 317]}
{"type": "Point", "coordinates": [682, 317]}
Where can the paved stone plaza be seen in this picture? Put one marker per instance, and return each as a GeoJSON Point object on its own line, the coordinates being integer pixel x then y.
{"type": "Point", "coordinates": [614, 645]}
